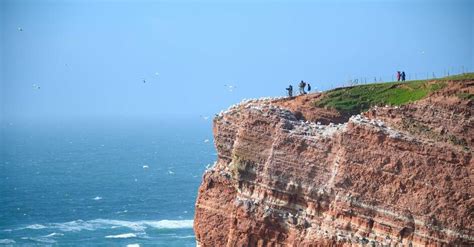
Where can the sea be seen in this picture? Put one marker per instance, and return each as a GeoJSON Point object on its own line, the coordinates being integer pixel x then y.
{"type": "Point", "coordinates": [102, 182]}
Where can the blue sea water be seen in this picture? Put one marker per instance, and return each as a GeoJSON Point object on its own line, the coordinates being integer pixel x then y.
{"type": "Point", "coordinates": [112, 183]}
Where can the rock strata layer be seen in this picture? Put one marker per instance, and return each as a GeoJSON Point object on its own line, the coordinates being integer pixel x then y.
{"type": "Point", "coordinates": [290, 174]}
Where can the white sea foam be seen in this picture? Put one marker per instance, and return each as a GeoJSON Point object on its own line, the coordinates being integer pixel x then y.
{"type": "Point", "coordinates": [40, 239]}
{"type": "Point", "coordinates": [187, 236]}
{"type": "Point", "coordinates": [91, 225]}
{"type": "Point", "coordinates": [35, 227]}
{"type": "Point", "coordinates": [169, 224]}
{"type": "Point", "coordinates": [134, 225]}
{"type": "Point", "coordinates": [97, 198]}
{"type": "Point", "coordinates": [54, 234]}
{"type": "Point", "coordinates": [47, 239]}
{"type": "Point", "coordinates": [133, 245]}
{"type": "Point", "coordinates": [125, 235]}
{"type": "Point", "coordinates": [75, 226]}
{"type": "Point", "coordinates": [7, 241]}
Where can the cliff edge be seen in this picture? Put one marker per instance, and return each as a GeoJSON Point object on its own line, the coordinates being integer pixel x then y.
{"type": "Point", "coordinates": [306, 171]}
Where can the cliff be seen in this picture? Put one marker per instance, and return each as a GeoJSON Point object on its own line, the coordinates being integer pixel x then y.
{"type": "Point", "coordinates": [290, 173]}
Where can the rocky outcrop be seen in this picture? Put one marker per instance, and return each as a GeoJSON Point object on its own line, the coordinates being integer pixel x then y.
{"type": "Point", "coordinates": [290, 174]}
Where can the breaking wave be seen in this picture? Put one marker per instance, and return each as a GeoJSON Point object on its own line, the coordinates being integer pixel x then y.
{"type": "Point", "coordinates": [187, 236]}
{"type": "Point", "coordinates": [91, 225]}
{"type": "Point", "coordinates": [44, 239]}
{"type": "Point", "coordinates": [35, 227]}
{"type": "Point", "coordinates": [54, 234]}
{"type": "Point", "coordinates": [40, 240]}
{"type": "Point", "coordinates": [7, 241]}
{"type": "Point", "coordinates": [125, 235]}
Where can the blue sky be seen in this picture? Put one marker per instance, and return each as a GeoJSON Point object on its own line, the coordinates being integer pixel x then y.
{"type": "Point", "coordinates": [90, 57]}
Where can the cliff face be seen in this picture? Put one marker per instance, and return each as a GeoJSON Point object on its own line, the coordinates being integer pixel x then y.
{"type": "Point", "coordinates": [392, 175]}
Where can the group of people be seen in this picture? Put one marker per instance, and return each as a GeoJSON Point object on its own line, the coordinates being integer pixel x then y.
{"type": "Point", "coordinates": [401, 76]}
{"type": "Point", "coordinates": [302, 86]}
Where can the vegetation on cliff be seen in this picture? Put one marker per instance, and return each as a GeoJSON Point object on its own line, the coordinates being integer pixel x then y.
{"type": "Point", "coordinates": [356, 99]}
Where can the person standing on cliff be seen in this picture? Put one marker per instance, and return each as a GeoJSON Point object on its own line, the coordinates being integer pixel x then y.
{"type": "Point", "coordinates": [290, 90]}
{"type": "Point", "coordinates": [309, 88]}
{"type": "Point", "coordinates": [302, 86]}
{"type": "Point", "coordinates": [403, 75]}
{"type": "Point", "coordinates": [398, 75]}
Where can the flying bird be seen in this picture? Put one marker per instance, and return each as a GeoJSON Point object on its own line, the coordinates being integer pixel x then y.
{"type": "Point", "coordinates": [230, 87]}
{"type": "Point", "coordinates": [36, 86]}
{"type": "Point", "coordinates": [20, 29]}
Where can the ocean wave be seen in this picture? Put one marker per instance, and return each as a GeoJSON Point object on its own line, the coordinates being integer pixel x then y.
{"type": "Point", "coordinates": [133, 245]}
{"type": "Point", "coordinates": [75, 226]}
{"type": "Point", "coordinates": [134, 225]}
{"type": "Point", "coordinates": [91, 225]}
{"type": "Point", "coordinates": [125, 235]}
{"type": "Point", "coordinates": [40, 240]}
{"type": "Point", "coordinates": [7, 241]}
{"type": "Point", "coordinates": [35, 227]}
{"type": "Point", "coordinates": [54, 234]}
{"type": "Point", "coordinates": [170, 224]}
{"type": "Point", "coordinates": [187, 236]}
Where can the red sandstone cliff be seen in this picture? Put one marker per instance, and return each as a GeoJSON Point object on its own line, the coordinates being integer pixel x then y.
{"type": "Point", "coordinates": [390, 176]}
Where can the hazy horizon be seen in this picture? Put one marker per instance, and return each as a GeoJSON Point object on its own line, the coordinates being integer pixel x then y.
{"type": "Point", "coordinates": [89, 58]}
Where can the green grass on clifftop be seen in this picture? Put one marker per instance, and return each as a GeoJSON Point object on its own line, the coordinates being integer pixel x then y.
{"type": "Point", "coordinates": [466, 76]}
{"type": "Point", "coordinates": [356, 99]}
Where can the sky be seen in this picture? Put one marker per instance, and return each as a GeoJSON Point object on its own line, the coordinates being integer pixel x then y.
{"type": "Point", "coordinates": [89, 59]}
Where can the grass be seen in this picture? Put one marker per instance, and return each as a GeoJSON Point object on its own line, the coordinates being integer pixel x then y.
{"type": "Point", "coordinates": [465, 76]}
{"type": "Point", "coordinates": [354, 100]}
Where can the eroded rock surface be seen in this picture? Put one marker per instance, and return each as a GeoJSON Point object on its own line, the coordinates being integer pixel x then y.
{"type": "Point", "coordinates": [390, 176]}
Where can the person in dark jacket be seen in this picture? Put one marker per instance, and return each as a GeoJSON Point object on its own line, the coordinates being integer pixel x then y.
{"type": "Point", "coordinates": [302, 86]}
{"type": "Point", "coordinates": [290, 91]}
{"type": "Point", "coordinates": [309, 88]}
{"type": "Point", "coordinates": [403, 75]}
